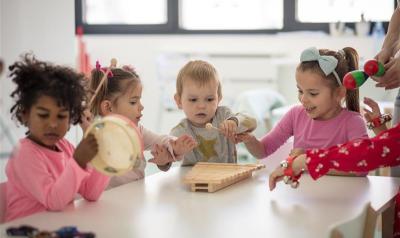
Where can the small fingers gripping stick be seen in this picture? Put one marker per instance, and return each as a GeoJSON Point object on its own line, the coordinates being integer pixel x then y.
{"type": "Point", "coordinates": [209, 126]}
{"type": "Point", "coordinates": [356, 78]}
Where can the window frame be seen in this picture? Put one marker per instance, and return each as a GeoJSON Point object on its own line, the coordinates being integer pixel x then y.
{"type": "Point", "coordinates": [172, 26]}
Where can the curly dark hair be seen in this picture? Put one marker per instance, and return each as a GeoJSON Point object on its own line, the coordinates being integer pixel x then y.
{"type": "Point", "coordinates": [35, 78]}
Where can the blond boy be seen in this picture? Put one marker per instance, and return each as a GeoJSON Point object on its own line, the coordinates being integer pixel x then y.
{"type": "Point", "coordinates": [198, 93]}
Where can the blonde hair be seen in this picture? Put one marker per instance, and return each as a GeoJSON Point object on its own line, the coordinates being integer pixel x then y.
{"type": "Point", "coordinates": [347, 61]}
{"type": "Point", "coordinates": [115, 85]}
{"type": "Point", "coordinates": [201, 72]}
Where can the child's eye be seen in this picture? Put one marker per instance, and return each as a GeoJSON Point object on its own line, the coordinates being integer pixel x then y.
{"type": "Point", "coordinates": [62, 116]}
{"type": "Point", "coordinates": [300, 92]}
{"type": "Point", "coordinates": [313, 94]}
{"type": "Point", "coordinates": [133, 102]}
{"type": "Point", "coordinates": [43, 115]}
{"type": "Point", "coordinates": [210, 99]}
{"type": "Point", "coordinates": [192, 99]}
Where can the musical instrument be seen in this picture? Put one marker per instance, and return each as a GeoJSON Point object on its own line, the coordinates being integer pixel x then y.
{"type": "Point", "coordinates": [120, 145]}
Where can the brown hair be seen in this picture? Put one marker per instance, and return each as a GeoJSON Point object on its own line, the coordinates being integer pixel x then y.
{"type": "Point", "coordinates": [347, 61]}
{"type": "Point", "coordinates": [200, 72]}
{"type": "Point", "coordinates": [114, 85]}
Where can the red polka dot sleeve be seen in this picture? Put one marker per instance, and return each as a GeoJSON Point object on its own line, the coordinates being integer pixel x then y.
{"type": "Point", "coordinates": [359, 155]}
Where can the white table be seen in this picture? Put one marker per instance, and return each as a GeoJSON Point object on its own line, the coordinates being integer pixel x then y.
{"type": "Point", "coordinates": [161, 206]}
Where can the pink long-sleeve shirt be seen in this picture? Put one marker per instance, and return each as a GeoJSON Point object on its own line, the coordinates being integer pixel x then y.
{"type": "Point", "coordinates": [309, 133]}
{"type": "Point", "coordinates": [41, 179]}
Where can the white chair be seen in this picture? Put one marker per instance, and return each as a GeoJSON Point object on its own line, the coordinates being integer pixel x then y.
{"type": "Point", "coordinates": [2, 202]}
{"type": "Point", "coordinates": [361, 226]}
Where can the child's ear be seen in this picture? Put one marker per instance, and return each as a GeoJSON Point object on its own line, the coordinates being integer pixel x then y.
{"type": "Point", "coordinates": [24, 118]}
{"type": "Point", "coordinates": [341, 93]}
{"type": "Point", "coordinates": [105, 107]}
{"type": "Point", "coordinates": [178, 101]}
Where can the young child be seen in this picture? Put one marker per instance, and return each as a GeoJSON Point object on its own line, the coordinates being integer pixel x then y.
{"type": "Point", "coordinates": [198, 93]}
{"type": "Point", "coordinates": [121, 94]}
{"type": "Point", "coordinates": [320, 121]}
{"type": "Point", "coordinates": [45, 171]}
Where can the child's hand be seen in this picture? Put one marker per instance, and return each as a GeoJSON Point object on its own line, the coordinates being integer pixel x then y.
{"type": "Point", "coordinates": [277, 175]}
{"type": "Point", "coordinates": [183, 144]}
{"type": "Point", "coordinates": [228, 128]}
{"type": "Point", "coordinates": [243, 137]}
{"type": "Point", "coordinates": [370, 115]}
{"type": "Point", "coordinates": [86, 150]}
{"type": "Point", "coordinates": [296, 152]}
{"type": "Point", "coordinates": [87, 119]}
{"type": "Point", "coordinates": [161, 155]}
{"type": "Point", "coordinates": [375, 111]}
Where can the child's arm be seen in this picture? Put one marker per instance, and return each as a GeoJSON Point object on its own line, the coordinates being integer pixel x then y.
{"type": "Point", "coordinates": [253, 145]}
{"type": "Point", "coordinates": [162, 157]}
{"type": "Point", "coordinates": [274, 139]}
{"type": "Point", "coordinates": [374, 113]}
{"type": "Point", "coordinates": [183, 145]}
{"type": "Point", "coordinates": [189, 158]}
{"type": "Point", "coordinates": [94, 184]}
{"type": "Point", "coordinates": [167, 149]}
{"type": "Point", "coordinates": [233, 124]}
{"type": "Point", "coordinates": [360, 155]}
{"type": "Point", "coordinates": [34, 172]}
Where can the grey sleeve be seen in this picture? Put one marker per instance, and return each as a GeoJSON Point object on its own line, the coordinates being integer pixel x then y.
{"type": "Point", "coordinates": [245, 123]}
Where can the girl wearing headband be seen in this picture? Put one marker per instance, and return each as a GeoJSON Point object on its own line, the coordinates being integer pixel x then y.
{"type": "Point", "coordinates": [119, 91]}
{"type": "Point", "coordinates": [321, 120]}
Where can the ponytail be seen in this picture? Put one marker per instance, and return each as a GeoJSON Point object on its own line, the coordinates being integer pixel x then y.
{"type": "Point", "coordinates": [352, 96]}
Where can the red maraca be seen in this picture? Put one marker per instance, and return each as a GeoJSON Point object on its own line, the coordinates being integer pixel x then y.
{"type": "Point", "coordinates": [354, 79]}
{"type": "Point", "coordinates": [374, 68]}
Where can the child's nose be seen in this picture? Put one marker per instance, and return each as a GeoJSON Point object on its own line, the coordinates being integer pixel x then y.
{"type": "Point", "coordinates": [201, 104]}
{"type": "Point", "coordinates": [53, 123]}
{"type": "Point", "coordinates": [303, 98]}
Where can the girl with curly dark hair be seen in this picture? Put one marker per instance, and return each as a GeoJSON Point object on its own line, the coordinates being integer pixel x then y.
{"type": "Point", "coordinates": [45, 171]}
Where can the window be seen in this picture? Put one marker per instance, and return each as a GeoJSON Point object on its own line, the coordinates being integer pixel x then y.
{"type": "Point", "coordinates": [231, 14]}
{"type": "Point", "coordinates": [222, 16]}
{"type": "Point", "coordinates": [344, 10]}
{"type": "Point", "coordinates": [134, 12]}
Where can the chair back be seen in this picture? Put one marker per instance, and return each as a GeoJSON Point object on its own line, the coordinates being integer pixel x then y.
{"type": "Point", "coordinates": [358, 227]}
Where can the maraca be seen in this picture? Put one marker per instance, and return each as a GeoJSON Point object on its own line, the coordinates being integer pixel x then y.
{"type": "Point", "coordinates": [374, 68]}
{"type": "Point", "coordinates": [354, 79]}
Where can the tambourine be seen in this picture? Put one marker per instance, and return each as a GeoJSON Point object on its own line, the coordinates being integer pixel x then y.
{"type": "Point", "coordinates": [120, 145]}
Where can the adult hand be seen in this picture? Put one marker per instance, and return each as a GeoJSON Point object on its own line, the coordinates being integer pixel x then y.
{"type": "Point", "coordinates": [391, 78]}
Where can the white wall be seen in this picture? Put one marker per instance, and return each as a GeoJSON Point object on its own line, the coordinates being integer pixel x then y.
{"type": "Point", "coordinates": [46, 27]}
